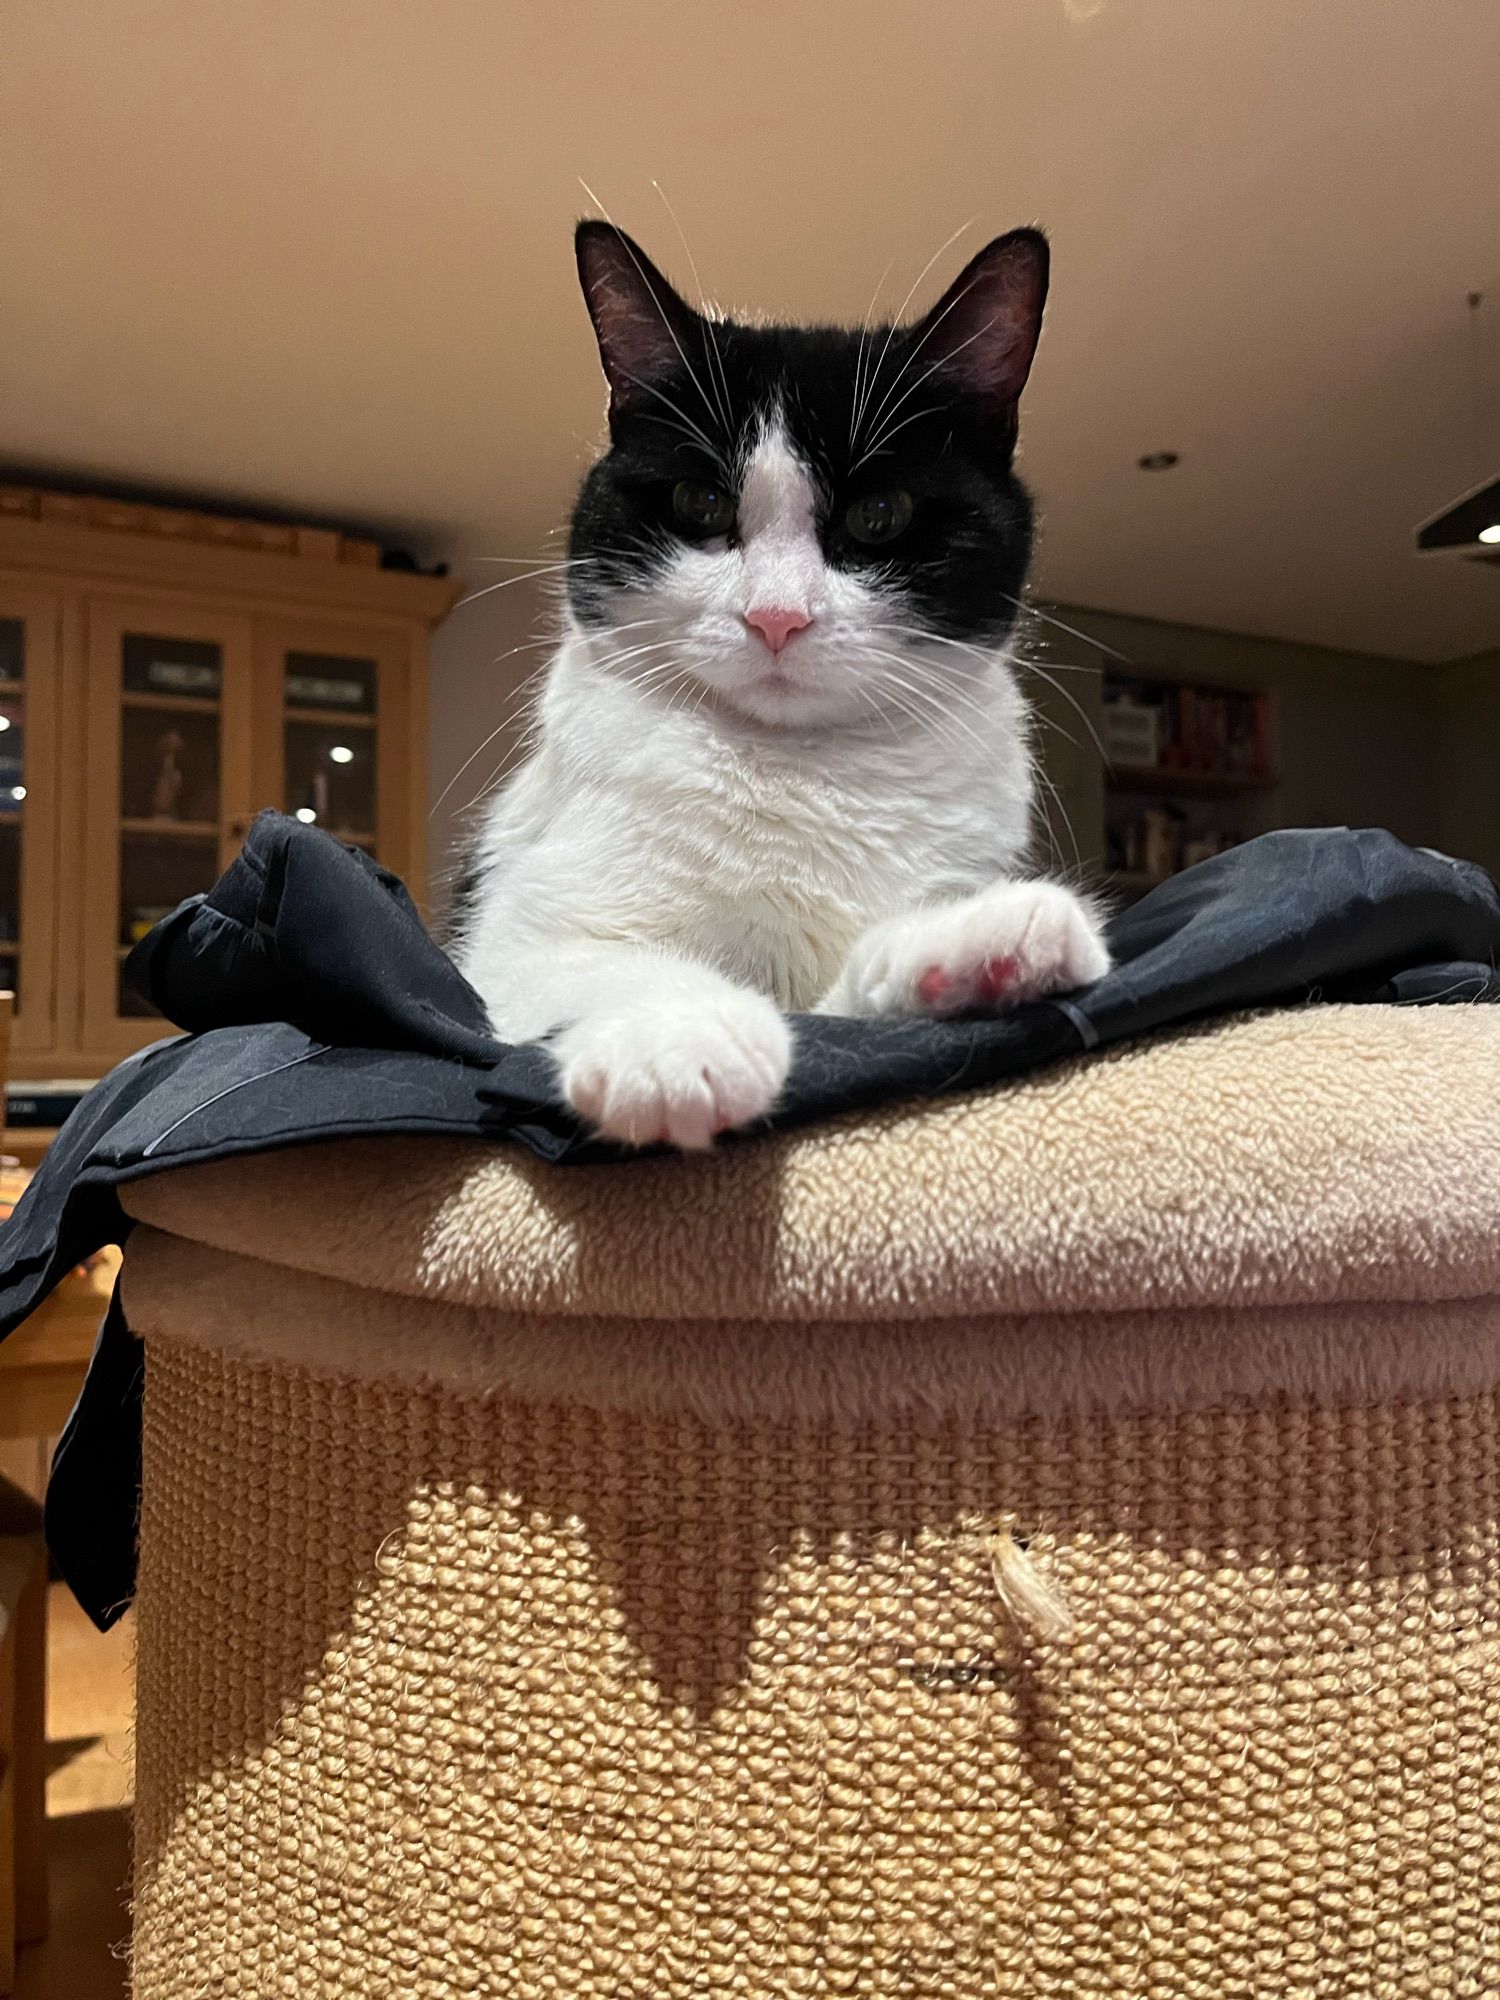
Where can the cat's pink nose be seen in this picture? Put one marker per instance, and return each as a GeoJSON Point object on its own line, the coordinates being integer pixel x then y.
{"type": "Point", "coordinates": [776, 626]}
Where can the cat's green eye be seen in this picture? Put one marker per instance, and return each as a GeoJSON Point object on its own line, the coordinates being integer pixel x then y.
{"type": "Point", "coordinates": [707, 510]}
{"type": "Point", "coordinates": [878, 518]}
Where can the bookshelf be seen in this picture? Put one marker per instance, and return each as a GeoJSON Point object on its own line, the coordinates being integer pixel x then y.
{"type": "Point", "coordinates": [1190, 771]}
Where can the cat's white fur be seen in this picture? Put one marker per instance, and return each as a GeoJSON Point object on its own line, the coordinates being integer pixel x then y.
{"type": "Point", "coordinates": [708, 835]}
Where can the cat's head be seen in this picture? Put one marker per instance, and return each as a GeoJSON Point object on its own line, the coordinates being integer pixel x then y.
{"type": "Point", "coordinates": [817, 524]}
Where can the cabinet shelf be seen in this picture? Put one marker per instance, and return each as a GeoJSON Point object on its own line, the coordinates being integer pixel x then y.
{"type": "Point", "coordinates": [171, 829]}
{"type": "Point", "coordinates": [11, 689]}
{"type": "Point", "coordinates": [330, 718]}
{"type": "Point", "coordinates": [182, 704]}
{"type": "Point", "coordinates": [1186, 784]}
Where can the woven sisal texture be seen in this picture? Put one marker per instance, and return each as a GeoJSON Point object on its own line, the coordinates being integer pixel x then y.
{"type": "Point", "coordinates": [449, 1697]}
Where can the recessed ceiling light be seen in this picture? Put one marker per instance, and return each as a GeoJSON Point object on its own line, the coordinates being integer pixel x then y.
{"type": "Point", "coordinates": [306, 815]}
{"type": "Point", "coordinates": [341, 754]}
{"type": "Point", "coordinates": [1491, 534]}
{"type": "Point", "coordinates": [1158, 461]}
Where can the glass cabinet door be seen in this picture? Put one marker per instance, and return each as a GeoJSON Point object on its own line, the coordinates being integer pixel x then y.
{"type": "Point", "coordinates": [336, 709]}
{"type": "Point", "coordinates": [169, 785]}
{"type": "Point", "coordinates": [331, 742]}
{"type": "Point", "coordinates": [29, 623]}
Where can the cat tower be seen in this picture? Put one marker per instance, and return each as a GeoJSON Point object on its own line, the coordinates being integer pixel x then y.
{"type": "Point", "coordinates": [1041, 1543]}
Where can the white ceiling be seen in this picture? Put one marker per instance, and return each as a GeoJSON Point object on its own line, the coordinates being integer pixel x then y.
{"type": "Point", "coordinates": [314, 254]}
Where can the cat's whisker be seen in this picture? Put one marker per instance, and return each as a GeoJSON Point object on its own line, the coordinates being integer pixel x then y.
{"type": "Point", "coordinates": [650, 291]}
{"type": "Point", "coordinates": [986, 657]}
{"type": "Point", "coordinates": [957, 684]}
{"type": "Point", "coordinates": [862, 353]}
{"type": "Point", "coordinates": [1031, 666]}
{"type": "Point", "coordinates": [1024, 662]}
{"type": "Point", "coordinates": [890, 696]}
{"type": "Point", "coordinates": [896, 319]}
{"type": "Point", "coordinates": [871, 706]}
{"type": "Point", "coordinates": [527, 576]}
{"type": "Point", "coordinates": [695, 437]}
{"type": "Point", "coordinates": [600, 661]}
{"type": "Point", "coordinates": [538, 563]}
{"type": "Point", "coordinates": [1072, 631]}
{"type": "Point", "coordinates": [527, 646]}
{"type": "Point", "coordinates": [566, 561]}
{"type": "Point", "coordinates": [951, 696]}
{"type": "Point", "coordinates": [932, 409]}
{"type": "Point", "coordinates": [903, 707]}
{"type": "Point", "coordinates": [653, 671]}
{"type": "Point", "coordinates": [956, 694]}
{"type": "Point", "coordinates": [694, 431]}
{"type": "Point", "coordinates": [931, 691]}
{"type": "Point", "coordinates": [612, 662]}
{"type": "Point", "coordinates": [1026, 665]}
{"type": "Point", "coordinates": [927, 373]}
{"type": "Point", "coordinates": [1039, 811]}
{"type": "Point", "coordinates": [674, 684]}
{"type": "Point", "coordinates": [1050, 787]}
{"type": "Point", "coordinates": [712, 355]}
{"type": "Point", "coordinates": [517, 694]}
{"type": "Point", "coordinates": [927, 333]}
{"type": "Point", "coordinates": [499, 729]}
{"type": "Point", "coordinates": [1077, 706]}
{"type": "Point", "coordinates": [533, 725]}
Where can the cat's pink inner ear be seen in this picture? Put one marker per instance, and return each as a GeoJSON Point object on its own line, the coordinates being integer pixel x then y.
{"type": "Point", "coordinates": [641, 323]}
{"type": "Point", "coordinates": [983, 331]}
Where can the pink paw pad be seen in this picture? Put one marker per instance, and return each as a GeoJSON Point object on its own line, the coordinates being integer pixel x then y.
{"type": "Point", "coordinates": [996, 978]}
{"type": "Point", "coordinates": [934, 986]}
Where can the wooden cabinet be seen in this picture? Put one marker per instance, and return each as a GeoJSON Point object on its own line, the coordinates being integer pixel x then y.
{"type": "Point", "coordinates": [155, 693]}
{"type": "Point", "coordinates": [30, 657]}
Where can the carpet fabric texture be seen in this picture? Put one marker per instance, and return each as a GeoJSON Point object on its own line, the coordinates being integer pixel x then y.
{"type": "Point", "coordinates": [1041, 1544]}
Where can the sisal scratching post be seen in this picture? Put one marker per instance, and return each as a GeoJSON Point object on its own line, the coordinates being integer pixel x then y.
{"type": "Point", "coordinates": [1000, 1548]}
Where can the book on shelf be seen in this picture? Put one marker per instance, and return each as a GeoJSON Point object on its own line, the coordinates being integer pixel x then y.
{"type": "Point", "coordinates": [1214, 732]}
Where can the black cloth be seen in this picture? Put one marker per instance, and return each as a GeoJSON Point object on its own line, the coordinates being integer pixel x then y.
{"type": "Point", "coordinates": [319, 1008]}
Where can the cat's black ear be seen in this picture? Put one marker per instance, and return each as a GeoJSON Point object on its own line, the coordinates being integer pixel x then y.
{"type": "Point", "coordinates": [983, 331]}
{"type": "Point", "coordinates": [643, 326]}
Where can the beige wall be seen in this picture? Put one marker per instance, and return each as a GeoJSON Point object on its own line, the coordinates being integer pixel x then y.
{"type": "Point", "coordinates": [475, 675]}
{"type": "Point", "coordinates": [1363, 740]}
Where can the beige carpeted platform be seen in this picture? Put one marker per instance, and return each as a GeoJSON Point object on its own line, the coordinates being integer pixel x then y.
{"type": "Point", "coordinates": [1039, 1544]}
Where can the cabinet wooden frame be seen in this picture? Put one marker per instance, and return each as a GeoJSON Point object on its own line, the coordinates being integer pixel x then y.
{"type": "Point", "coordinates": [78, 592]}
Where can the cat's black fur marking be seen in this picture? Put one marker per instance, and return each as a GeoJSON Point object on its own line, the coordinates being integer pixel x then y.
{"type": "Point", "coordinates": [959, 567]}
{"type": "Point", "coordinates": [463, 894]}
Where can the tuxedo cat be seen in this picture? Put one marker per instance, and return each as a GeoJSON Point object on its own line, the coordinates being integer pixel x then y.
{"type": "Point", "coordinates": [781, 760]}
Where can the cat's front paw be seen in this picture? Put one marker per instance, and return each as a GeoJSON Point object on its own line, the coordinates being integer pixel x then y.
{"type": "Point", "coordinates": [1017, 941]}
{"type": "Point", "coordinates": [676, 1070]}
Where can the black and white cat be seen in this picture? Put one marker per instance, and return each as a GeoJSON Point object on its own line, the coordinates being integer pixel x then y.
{"type": "Point", "coordinates": [781, 761]}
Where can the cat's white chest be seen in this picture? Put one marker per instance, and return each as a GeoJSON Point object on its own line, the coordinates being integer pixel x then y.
{"type": "Point", "coordinates": [763, 857]}
{"type": "Point", "coordinates": [771, 875]}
